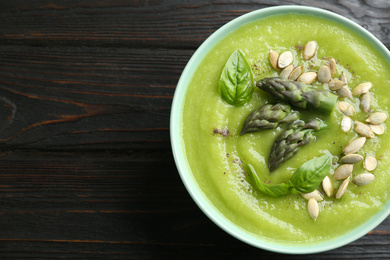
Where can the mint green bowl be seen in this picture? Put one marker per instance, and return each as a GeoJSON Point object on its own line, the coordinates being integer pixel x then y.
{"type": "Point", "coordinates": [178, 146]}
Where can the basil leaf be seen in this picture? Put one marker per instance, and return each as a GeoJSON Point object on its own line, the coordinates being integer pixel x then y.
{"type": "Point", "coordinates": [236, 82]}
{"type": "Point", "coordinates": [270, 190]}
{"type": "Point", "coordinates": [309, 176]}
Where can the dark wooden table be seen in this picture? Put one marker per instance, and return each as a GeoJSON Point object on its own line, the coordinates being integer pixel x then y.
{"type": "Point", "coordinates": [86, 168]}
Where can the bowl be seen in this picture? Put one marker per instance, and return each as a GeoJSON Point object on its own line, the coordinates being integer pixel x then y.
{"type": "Point", "coordinates": [179, 151]}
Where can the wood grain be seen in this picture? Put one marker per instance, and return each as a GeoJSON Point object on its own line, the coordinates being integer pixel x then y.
{"type": "Point", "coordinates": [100, 206]}
{"type": "Point", "coordinates": [86, 170]}
{"type": "Point", "coordinates": [75, 61]}
{"type": "Point", "coordinates": [57, 98]}
{"type": "Point", "coordinates": [180, 24]}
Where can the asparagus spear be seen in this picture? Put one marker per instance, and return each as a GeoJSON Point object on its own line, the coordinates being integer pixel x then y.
{"type": "Point", "coordinates": [268, 117]}
{"type": "Point", "coordinates": [287, 144]}
{"type": "Point", "coordinates": [298, 94]}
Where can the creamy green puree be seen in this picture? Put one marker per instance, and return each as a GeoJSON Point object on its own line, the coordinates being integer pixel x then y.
{"type": "Point", "coordinates": [218, 163]}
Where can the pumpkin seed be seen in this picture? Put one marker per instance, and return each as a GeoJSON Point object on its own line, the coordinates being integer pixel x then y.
{"type": "Point", "coordinates": [296, 73]}
{"type": "Point", "coordinates": [314, 194]}
{"type": "Point", "coordinates": [355, 145]}
{"type": "Point", "coordinates": [324, 74]}
{"type": "Point", "coordinates": [370, 163]}
{"type": "Point", "coordinates": [285, 59]}
{"type": "Point", "coordinates": [273, 58]}
{"type": "Point", "coordinates": [346, 108]}
{"type": "Point", "coordinates": [343, 171]}
{"type": "Point", "coordinates": [286, 71]}
{"type": "Point", "coordinates": [313, 209]}
{"type": "Point", "coordinates": [343, 77]}
{"type": "Point", "coordinates": [362, 88]}
{"type": "Point", "coordinates": [377, 129]}
{"type": "Point", "coordinates": [327, 186]}
{"type": "Point", "coordinates": [363, 129]}
{"type": "Point", "coordinates": [376, 118]}
{"type": "Point", "coordinates": [307, 77]}
{"type": "Point", "coordinates": [365, 102]}
{"type": "Point", "coordinates": [344, 92]}
{"type": "Point", "coordinates": [309, 50]}
{"type": "Point", "coordinates": [363, 179]}
{"type": "Point", "coordinates": [342, 188]}
{"type": "Point", "coordinates": [335, 84]}
{"type": "Point", "coordinates": [332, 66]}
{"type": "Point", "coordinates": [346, 124]}
{"type": "Point", "coordinates": [351, 158]}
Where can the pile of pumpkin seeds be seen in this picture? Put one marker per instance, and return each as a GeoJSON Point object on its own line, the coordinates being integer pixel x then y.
{"type": "Point", "coordinates": [373, 125]}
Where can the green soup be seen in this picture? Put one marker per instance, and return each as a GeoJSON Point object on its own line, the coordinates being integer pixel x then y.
{"type": "Point", "coordinates": [218, 162]}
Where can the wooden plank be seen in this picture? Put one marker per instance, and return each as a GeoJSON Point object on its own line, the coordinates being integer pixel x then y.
{"type": "Point", "coordinates": [120, 205]}
{"type": "Point", "coordinates": [182, 24]}
{"type": "Point", "coordinates": [99, 76]}
{"type": "Point", "coordinates": [56, 97]}
{"type": "Point", "coordinates": [84, 98]}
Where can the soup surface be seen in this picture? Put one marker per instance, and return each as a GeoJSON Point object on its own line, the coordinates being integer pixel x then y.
{"type": "Point", "coordinates": [218, 158]}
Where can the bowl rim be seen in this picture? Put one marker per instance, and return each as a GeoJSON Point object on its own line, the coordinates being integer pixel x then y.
{"type": "Point", "coordinates": [178, 146]}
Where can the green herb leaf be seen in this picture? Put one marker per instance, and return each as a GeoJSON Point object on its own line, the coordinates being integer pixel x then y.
{"type": "Point", "coordinates": [305, 179]}
{"type": "Point", "coordinates": [236, 82]}
{"type": "Point", "coordinates": [309, 176]}
{"type": "Point", "coordinates": [270, 190]}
